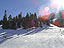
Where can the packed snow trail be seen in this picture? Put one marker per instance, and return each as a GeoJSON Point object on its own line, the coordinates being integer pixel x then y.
{"type": "Point", "coordinates": [47, 38]}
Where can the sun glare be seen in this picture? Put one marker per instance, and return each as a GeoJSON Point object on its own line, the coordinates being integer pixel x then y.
{"type": "Point", "coordinates": [55, 4]}
{"type": "Point", "coordinates": [58, 3]}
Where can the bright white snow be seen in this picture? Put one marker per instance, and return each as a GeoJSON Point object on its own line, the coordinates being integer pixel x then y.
{"type": "Point", "coordinates": [50, 37]}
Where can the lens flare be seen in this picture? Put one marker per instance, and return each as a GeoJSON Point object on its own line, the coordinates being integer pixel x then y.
{"type": "Point", "coordinates": [63, 14]}
{"type": "Point", "coordinates": [44, 11]}
{"type": "Point", "coordinates": [57, 4]}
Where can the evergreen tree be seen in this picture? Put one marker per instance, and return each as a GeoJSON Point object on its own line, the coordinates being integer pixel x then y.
{"type": "Point", "coordinates": [31, 20]}
{"type": "Point", "coordinates": [16, 18]}
{"type": "Point", "coordinates": [5, 23]}
{"type": "Point", "coordinates": [10, 22]}
{"type": "Point", "coordinates": [24, 23]}
{"type": "Point", "coordinates": [1, 22]}
{"type": "Point", "coordinates": [51, 17]}
{"type": "Point", "coordinates": [47, 22]}
{"type": "Point", "coordinates": [19, 21]}
{"type": "Point", "coordinates": [40, 23]}
{"type": "Point", "coordinates": [14, 23]}
{"type": "Point", "coordinates": [27, 20]}
{"type": "Point", "coordinates": [60, 18]}
{"type": "Point", "coordinates": [35, 20]}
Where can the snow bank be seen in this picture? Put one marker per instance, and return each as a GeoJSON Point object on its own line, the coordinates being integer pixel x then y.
{"type": "Point", "coordinates": [36, 38]}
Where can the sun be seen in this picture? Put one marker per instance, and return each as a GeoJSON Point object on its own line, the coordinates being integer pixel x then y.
{"type": "Point", "coordinates": [57, 4]}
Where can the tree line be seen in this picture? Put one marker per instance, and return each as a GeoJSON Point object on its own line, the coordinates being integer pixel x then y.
{"type": "Point", "coordinates": [30, 20]}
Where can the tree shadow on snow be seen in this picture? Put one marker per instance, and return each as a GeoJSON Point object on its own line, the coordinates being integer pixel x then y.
{"type": "Point", "coordinates": [10, 33]}
{"type": "Point", "coordinates": [36, 31]}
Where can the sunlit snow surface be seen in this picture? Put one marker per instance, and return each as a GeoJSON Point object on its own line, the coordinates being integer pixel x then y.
{"type": "Point", "coordinates": [45, 38]}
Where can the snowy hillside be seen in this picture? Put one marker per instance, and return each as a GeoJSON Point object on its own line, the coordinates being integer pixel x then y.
{"type": "Point", "coordinates": [47, 37]}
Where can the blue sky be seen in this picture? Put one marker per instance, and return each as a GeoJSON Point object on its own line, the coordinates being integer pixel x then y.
{"type": "Point", "coordinates": [14, 7]}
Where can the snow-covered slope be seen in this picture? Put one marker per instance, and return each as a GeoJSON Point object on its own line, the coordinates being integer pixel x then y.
{"type": "Point", "coordinates": [37, 38]}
